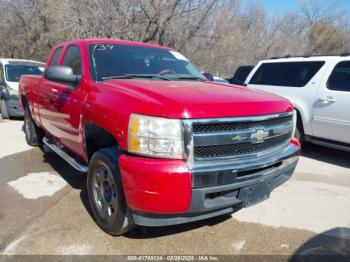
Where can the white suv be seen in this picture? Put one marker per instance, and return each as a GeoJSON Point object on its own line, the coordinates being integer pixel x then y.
{"type": "Point", "coordinates": [318, 87]}
{"type": "Point", "coordinates": [11, 71]}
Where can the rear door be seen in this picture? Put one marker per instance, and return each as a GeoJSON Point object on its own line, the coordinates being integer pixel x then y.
{"type": "Point", "coordinates": [44, 93]}
{"type": "Point", "coordinates": [331, 110]}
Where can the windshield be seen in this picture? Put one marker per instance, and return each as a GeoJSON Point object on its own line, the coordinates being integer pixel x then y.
{"type": "Point", "coordinates": [115, 61]}
{"type": "Point", "coordinates": [14, 72]}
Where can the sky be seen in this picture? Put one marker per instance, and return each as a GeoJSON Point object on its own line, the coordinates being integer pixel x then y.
{"type": "Point", "coordinates": [280, 6]}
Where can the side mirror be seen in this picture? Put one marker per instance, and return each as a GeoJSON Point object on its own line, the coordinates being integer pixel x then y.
{"type": "Point", "coordinates": [208, 76]}
{"type": "Point", "coordinates": [63, 74]}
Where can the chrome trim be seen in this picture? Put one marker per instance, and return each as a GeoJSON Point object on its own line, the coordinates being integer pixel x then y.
{"type": "Point", "coordinates": [285, 158]}
{"type": "Point", "coordinates": [189, 136]}
{"type": "Point", "coordinates": [289, 154]}
{"type": "Point", "coordinates": [245, 135]}
{"type": "Point", "coordinates": [240, 119]}
{"type": "Point", "coordinates": [70, 160]}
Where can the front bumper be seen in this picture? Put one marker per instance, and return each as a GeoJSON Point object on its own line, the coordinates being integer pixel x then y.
{"type": "Point", "coordinates": [13, 107]}
{"type": "Point", "coordinates": [162, 192]}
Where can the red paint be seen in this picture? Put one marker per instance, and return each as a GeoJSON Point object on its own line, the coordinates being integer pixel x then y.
{"type": "Point", "coordinates": [162, 186]}
{"type": "Point", "coordinates": [156, 185]}
{"type": "Point", "coordinates": [295, 142]}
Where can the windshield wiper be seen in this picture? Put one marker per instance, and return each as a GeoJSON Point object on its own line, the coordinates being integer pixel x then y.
{"type": "Point", "coordinates": [130, 76]}
{"type": "Point", "coordinates": [189, 78]}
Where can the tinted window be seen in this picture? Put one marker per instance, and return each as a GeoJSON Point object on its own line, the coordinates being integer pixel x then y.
{"type": "Point", "coordinates": [241, 74]}
{"type": "Point", "coordinates": [1, 75]}
{"type": "Point", "coordinates": [14, 72]}
{"type": "Point", "coordinates": [72, 59]}
{"type": "Point", "coordinates": [108, 60]}
{"type": "Point", "coordinates": [296, 74]}
{"type": "Point", "coordinates": [56, 56]}
{"type": "Point", "coordinates": [340, 77]}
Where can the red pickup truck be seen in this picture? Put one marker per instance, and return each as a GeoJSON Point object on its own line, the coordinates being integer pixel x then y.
{"type": "Point", "coordinates": [160, 144]}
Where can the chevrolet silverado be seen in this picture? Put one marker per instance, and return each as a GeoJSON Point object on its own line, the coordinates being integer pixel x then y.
{"type": "Point", "coordinates": [160, 144]}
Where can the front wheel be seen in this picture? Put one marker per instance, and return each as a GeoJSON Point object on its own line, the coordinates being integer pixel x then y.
{"type": "Point", "coordinates": [4, 112]}
{"type": "Point", "coordinates": [106, 195]}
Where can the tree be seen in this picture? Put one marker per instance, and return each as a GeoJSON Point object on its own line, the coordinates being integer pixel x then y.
{"type": "Point", "coordinates": [217, 35]}
{"type": "Point", "coordinates": [325, 38]}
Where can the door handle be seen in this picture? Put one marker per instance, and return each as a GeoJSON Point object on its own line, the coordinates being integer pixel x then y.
{"type": "Point", "coordinates": [328, 99]}
{"type": "Point", "coordinates": [53, 94]}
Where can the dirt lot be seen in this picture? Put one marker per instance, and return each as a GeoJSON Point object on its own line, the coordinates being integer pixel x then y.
{"type": "Point", "coordinates": [44, 210]}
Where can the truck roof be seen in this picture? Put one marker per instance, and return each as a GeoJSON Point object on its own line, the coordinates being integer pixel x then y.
{"type": "Point", "coordinates": [112, 41]}
{"type": "Point", "coordinates": [306, 58]}
{"type": "Point", "coordinates": [6, 61]}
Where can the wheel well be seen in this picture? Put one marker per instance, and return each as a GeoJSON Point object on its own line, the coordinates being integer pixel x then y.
{"type": "Point", "coordinates": [97, 138]}
{"type": "Point", "coordinates": [299, 120]}
{"type": "Point", "coordinates": [24, 102]}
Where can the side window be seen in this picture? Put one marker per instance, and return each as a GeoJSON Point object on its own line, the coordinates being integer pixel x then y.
{"type": "Point", "coordinates": [340, 77]}
{"type": "Point", "coordinates": [1, 75]}
{"type": "Point", "coordinates": [56, 56]}
{"type": "Point", "coordinates": [292, 74]}
{"type": "Point", "coordinates": [241, 74]}
{"type": "Point", "coordinates": [72, 59]}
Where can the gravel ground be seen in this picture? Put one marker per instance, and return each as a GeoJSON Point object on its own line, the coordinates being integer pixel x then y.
{"type": "Point", "coordinates": [44, 211]}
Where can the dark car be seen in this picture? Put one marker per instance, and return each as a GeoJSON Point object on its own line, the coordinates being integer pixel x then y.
{"type": "Point", "coordinates": [241, 74]}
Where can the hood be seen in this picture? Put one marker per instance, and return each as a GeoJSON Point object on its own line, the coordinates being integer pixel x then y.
{"type": "Point", "coordinates": [199, 99]}
{"type": "Point", "coordinates": [13, 85]}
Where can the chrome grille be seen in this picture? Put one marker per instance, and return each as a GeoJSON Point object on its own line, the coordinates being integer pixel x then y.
{"type": "Point", "coordinates": [211, 139]}
{"type": "Point", "coordinates": [231, 126]}
{"type": "Point", "coordinates": [239, 149]}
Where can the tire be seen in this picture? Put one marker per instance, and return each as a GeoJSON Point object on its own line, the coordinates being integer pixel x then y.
{"type": "Point", "coordinates": [299, 133]}
{"type": "Point", "coordinates": [106, 195]}
{"type": "Point", "coordinates": [4, 112]}
{"type": "Point", "coordinates": [33, 133]}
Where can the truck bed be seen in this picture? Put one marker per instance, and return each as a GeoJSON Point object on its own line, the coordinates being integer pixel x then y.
{"type": "Point", "coordinates": [29, 88]}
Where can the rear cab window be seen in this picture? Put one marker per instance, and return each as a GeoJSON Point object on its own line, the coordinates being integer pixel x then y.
{"type": "Point", "coordinates": [339, 79]}
{"type": "Point", "coordinates": [291, 74]}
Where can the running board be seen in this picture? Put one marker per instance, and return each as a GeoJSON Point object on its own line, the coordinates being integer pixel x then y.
{"type": "Point", "coordinates": [74, 163]}
{"type": "Point", "coordinates": [334, 145]}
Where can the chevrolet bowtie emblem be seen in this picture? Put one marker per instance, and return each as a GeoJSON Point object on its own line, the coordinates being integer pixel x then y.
{"type": "Point", "coordinates": [238, 138]}
{"type": "Point", "coordinates": [259, 136]}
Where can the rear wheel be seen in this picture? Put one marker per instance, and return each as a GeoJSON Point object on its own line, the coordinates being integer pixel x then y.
{"type": "Point", "coordinates": [33, 133]}
{"type": "Point", "coordinates": [4, 112]}
{"type": "Point", "coordinates": [106, 193]}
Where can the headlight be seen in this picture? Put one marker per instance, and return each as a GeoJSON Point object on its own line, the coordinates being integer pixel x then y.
{"type": "Point", "coordinates": [13, 92]}
{"type": "Point", "coordinates": [294, 122]}
{"type": "Point", "coordinates": [155, 136]}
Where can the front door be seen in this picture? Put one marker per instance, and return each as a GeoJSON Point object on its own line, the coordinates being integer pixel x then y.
{"type": "Point", "coordinates": [331, 109]}
{"type": "Point", "coordinates": [64, 108]}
